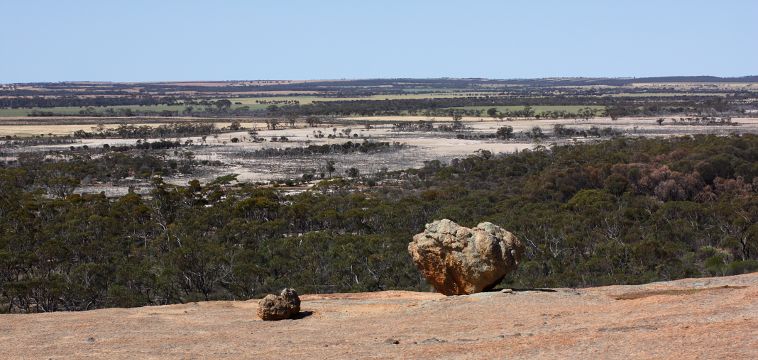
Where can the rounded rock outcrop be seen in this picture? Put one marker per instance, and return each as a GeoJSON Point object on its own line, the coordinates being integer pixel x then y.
{"type": "Point", "coordinates": [279, 307]}
{"type": "Point", "coordinates": [458, 260]}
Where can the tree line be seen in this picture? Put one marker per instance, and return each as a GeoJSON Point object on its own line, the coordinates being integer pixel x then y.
{"type": "Point", "coordinates": [79, 101]}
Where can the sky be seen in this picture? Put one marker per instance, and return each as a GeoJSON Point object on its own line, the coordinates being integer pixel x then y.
{"type": "Point", "coordinates": [140, 40]}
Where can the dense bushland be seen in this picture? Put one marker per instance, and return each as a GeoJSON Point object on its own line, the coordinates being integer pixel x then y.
{"type": "Point", "coordinates": [613, 212]}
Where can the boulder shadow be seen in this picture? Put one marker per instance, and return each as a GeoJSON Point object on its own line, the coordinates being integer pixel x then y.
{"type": "Point", "coordinates": [522, 290]}
{"type": "Point", "coordinates": [302, 315]}
{"type": "Point", "coordinates": [533, 289]}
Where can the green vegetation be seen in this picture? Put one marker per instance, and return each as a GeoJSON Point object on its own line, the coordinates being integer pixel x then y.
{"type": "Point", "coordinates": [613, 212]}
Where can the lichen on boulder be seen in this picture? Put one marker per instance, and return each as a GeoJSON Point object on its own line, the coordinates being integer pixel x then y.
{"type": "Point", "coordinates": [279, 307]}
{"type": "Point", "coordinates": [458, 260]}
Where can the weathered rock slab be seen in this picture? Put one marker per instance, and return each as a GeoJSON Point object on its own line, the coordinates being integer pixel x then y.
{"type": "Point", "coordinates": [701, 318]}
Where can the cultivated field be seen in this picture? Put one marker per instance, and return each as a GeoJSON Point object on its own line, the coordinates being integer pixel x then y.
{"type": "Point", "coordinates": [253, 103]}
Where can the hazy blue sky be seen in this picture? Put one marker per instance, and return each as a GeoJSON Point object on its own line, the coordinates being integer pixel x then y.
{"type": "Point", "coordinates": [138, 40]}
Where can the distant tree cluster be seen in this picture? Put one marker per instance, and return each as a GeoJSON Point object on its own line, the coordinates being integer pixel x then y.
{"type": "Point", "coordinates": [326, 149]}
{"type": "Point", "coordinates": [128, 131]}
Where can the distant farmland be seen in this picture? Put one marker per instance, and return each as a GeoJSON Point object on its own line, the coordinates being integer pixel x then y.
{"type": "Point", "coordinates": [253, 103]}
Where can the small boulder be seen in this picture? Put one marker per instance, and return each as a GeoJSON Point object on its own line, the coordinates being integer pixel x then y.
{"type": "Point", "coordinates": [279, 307]}
{"type": "Point", "coordinates": [458, 260]}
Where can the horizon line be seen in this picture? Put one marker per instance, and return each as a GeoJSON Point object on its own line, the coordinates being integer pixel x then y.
{"type": "Point", "coordinates": [384, 78]}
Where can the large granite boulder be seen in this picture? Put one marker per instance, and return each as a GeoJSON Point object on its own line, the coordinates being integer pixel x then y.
{"type": "Point", "coordinates": [458, 260]}
{"type": "Point", "coordinates": [279, 307]}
